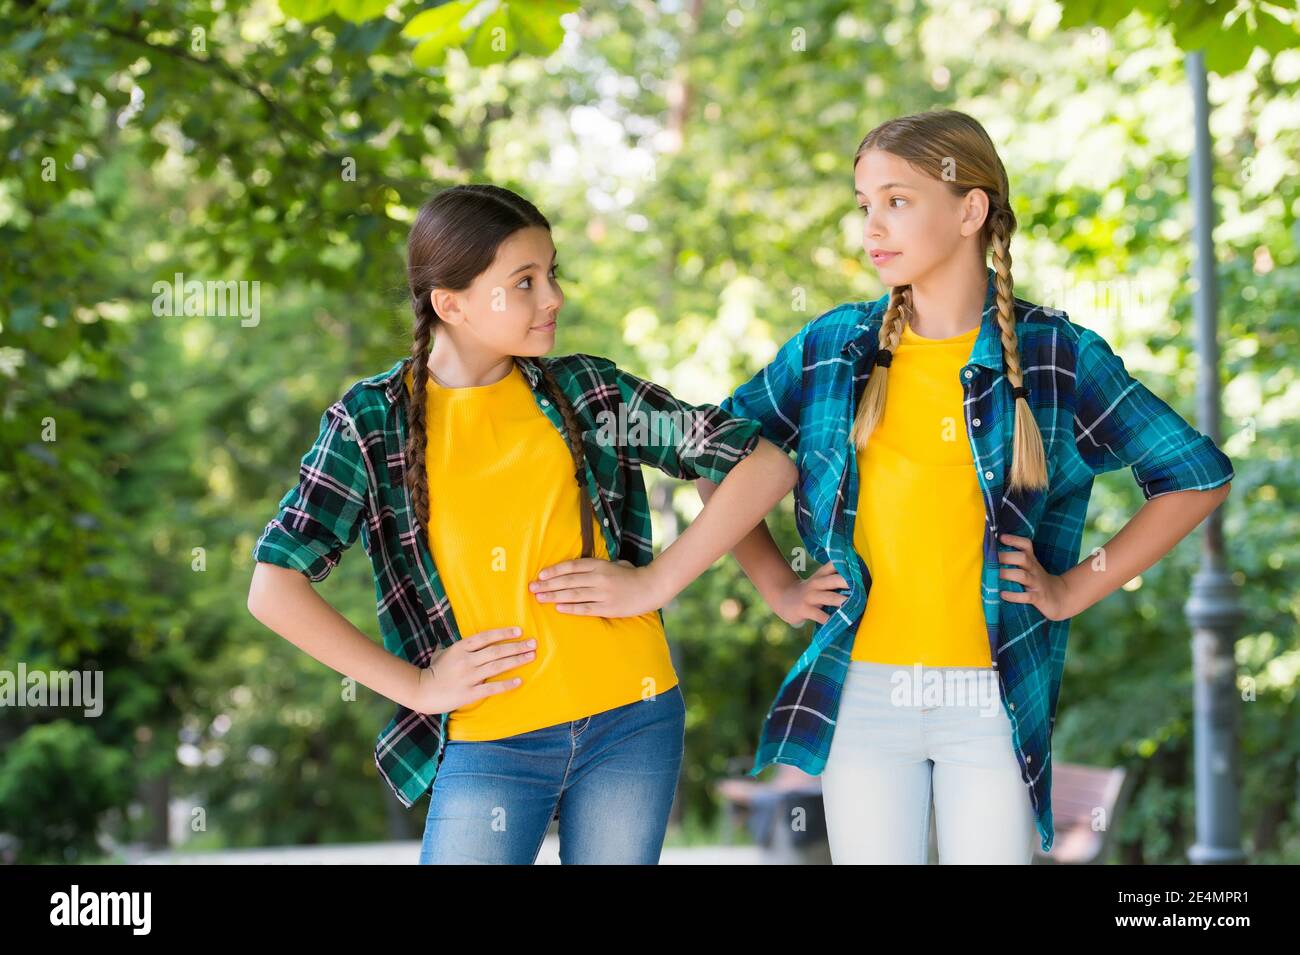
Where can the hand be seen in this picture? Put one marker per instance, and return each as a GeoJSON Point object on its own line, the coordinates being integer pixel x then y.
{"type": "Point", "coordinates": [596, 587]}
{"type": "Point", "coordinates": [1048, 592]}
{"type": "Point", "coordinates": [804, 599]}
{"type": "Point", "coordinates": [458, 675]}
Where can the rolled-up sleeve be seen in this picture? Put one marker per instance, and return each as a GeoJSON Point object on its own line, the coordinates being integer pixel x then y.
{"type": "Point", "coordinates": [683, 440]}
{"type": "Point", "coordinates": [320, 517]}
{"type": "Point", "coordinates": [773, 396]}
{"type": "Point", "coordinates": [1119, 422]}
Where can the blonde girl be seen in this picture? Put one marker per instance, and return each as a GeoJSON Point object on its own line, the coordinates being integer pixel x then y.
{"type": "Point", "coordinates": [947, 436]}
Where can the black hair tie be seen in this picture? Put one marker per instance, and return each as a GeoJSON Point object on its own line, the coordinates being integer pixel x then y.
{"type": "Point", "coordinates": [1021, 391]}
{"type": "Point", "coordinates": [884, 357]}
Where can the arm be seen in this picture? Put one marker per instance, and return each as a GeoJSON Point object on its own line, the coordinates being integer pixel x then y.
{"type": "Point", "coordinates": [773, 397]}
{"type": "Point", "coordinates": [746, 494]}
{"type": "Point", "coordinates": [1153, 531]}
{"type": "Point", "coordinates": [689, 442]}
{"type": "Point", "coordinates": [285, 601]}
{"type": "Point", "coordinates": [1119, 423]}
{"type": "Point", "coordinates": [318, 520]}
{"type": "Point", "coordinates": [793, 598]}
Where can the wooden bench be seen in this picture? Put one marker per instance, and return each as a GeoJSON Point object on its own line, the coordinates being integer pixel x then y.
{"type": "Point", "coordinates": [1086, 803]}
{"type": "Point", "coordinates": [784, 815]}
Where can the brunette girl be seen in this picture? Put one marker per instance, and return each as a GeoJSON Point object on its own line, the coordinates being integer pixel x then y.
{"type": "Point", "coordinates": [469, 468]}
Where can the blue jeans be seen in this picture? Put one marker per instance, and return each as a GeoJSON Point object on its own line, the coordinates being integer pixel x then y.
{"type": "Point", "coordinates": [610, 778]}
{"type": "Point", "coordinates": [892, 751]}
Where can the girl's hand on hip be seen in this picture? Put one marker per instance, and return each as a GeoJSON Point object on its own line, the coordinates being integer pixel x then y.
{"type": "Point", "coordinates": [592, 586]}
{"type": "Point", "coordinates": [803, 600]}
{"type": "Point", "coordinates": [1048, 592]}
{"type": "Point", "coordinates": [458, 675]}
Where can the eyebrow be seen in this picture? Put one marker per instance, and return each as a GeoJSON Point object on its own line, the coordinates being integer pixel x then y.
{"type": "Point", "coordinates": [532, 265]}
{"type": "Point", "coordinates": [887, 185]}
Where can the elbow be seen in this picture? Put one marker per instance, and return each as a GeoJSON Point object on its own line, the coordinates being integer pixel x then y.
{"type": "Point", "coordinates": [775, 464]}
{"type": "Point", "coordinates": [257, 591]}
{"type": "Point", "coordinates": [790, 474]}
{"type": "Point", "coordinates": [1221, 492]}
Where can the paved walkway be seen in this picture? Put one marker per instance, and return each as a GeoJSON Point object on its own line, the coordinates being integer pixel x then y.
{"type": "Point", "coordinates": [408, 852]}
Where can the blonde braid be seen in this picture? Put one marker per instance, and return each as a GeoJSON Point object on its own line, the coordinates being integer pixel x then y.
{"type": "Point", "coordinates": [872, 406]}
{"type": "Point", "coordinates": [1028, 459]}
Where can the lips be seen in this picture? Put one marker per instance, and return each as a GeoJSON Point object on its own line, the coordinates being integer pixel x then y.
{"type": "Point", "coordinates": [880, 255]}
{"type": "Point", "coordinates": [545, 328]}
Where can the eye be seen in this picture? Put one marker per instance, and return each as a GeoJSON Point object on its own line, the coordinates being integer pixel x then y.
{"type": "Point", "coordinates": [529, 280]}
{"type": "Point", "coordinates": [865, 208]}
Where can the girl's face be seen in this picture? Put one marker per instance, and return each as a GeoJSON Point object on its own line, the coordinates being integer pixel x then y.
{"type": "Point", "coordinates": [911, 222]}
{"type": "Point", "coordinates": [512, 307]}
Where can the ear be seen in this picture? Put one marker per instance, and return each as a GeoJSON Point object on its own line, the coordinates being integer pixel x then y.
{"type": "Point", "coordinates": [974, 212]}
{"type": "Point", "coordinates": [448, 306]}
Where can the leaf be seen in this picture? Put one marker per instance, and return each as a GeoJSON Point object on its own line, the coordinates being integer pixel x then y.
{"type": "Point", "coordinates": [439, 19]}
{"type": "Point", "coordinates": [306, 10]}
{"type": "Point", "coordinates": [537, 25]}
{"type": "Point", "coordinates": [494, 41]}
{"type": "Point", "coordinates": [358, 11]}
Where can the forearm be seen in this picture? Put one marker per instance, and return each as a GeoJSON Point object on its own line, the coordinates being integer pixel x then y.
{"type": "Point", "coordinates": [751, 489]}
{"type": "Point", "coordinates": [286, 602]}
{"type": "Point", "coordinates": [1152, 532]}
{"type": "Point", "coordinates": [757, 552]}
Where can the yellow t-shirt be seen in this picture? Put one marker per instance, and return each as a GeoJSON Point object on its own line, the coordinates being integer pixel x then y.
{"type": "Point", "coordinates": [920, 516]}
{"type": "Point", "coordinates": [503, 504]}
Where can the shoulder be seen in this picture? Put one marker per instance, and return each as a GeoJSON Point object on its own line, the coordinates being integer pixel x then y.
{"type": "Point", "coordinates": [577, 363]}
{"type": "Point", "coordinates": [845, 321]}
{"type": "Point", "coordinates": [368, 400]}
{"type": "Point", "coordinates": [1047, 331]}
{"type": "Point", "coordinates": [829, 332]}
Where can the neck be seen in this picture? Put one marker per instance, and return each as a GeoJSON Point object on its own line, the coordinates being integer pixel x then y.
{"type": "Point", "coordinates": [949, 299]}
{"type": "Point", "coordinates": [455, 365]}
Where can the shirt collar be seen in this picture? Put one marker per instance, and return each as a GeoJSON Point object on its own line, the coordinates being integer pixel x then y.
{"type": "Point", "coordinates": [393, 381]}
{"type": "Point", "coordinates": [987, 350]}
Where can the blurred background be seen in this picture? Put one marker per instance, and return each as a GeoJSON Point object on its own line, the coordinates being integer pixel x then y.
{"type": "Point", "coordinates": [695, 162]}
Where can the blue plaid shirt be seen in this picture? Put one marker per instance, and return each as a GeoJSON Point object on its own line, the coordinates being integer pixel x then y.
{"type": "Point", "coordinates": [1094, 417]}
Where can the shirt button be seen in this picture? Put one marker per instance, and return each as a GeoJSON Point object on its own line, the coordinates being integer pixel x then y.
{"type": "Point", "coordinates": [968, 372]}
{"type": "Point", "coordinates": [988, 475]}
{"type": "Point", "coordinates": [1013, 706]}
{"type": "Point", "coordinates": [545, 403]}
{"type": "Point", "coordinates": [975, 422]}
{"type": "Point", "coordinates": [1028, 758]}
{"type": "Point", "coordinates": [606, 522]}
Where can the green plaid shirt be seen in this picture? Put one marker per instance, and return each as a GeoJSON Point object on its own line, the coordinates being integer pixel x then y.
{"type": "Point", "coordinates": [351, 482]}
{"type": "Point", "coordinates": [1094, 417]}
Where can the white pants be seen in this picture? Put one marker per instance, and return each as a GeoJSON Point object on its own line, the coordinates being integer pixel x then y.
{"type": "Point", "coordinates": [904, 734]}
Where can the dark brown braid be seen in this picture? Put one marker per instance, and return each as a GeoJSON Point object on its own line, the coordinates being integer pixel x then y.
{"type": "Point", "coordinates": [573, 434]}
{"type": "Point", "coordinates": [416, 432]}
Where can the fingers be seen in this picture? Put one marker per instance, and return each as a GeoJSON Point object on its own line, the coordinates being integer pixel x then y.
{"type": "Point", "coordinates": [1019, 576]}
{"type": "Point", "coordinates": [571, 595]}
{"type": "Point", "coordinates": [833, 577]}
{"type": "Point", "coordinates": [491, 687]}
{"type": "Point", "coordinates": [490, 654]}
{"type": "Point", "coordinates": [486, 637]}
{"type": "Point", "coordinates": [493, 667]}
{"type": "Point", "coordinates": [577, 565]}
{"type": "Point", "coordinates": [555, 582]}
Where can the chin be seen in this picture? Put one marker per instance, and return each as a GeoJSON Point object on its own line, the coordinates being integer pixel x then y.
{"type": "Point", "coordinates": [538, 344]}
